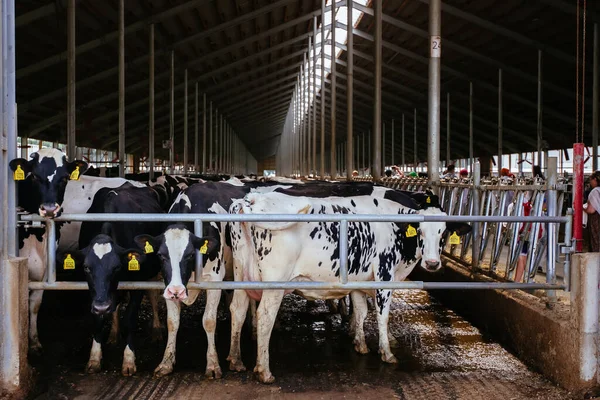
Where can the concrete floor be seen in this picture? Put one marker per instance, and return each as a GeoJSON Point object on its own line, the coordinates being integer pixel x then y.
{"type": "Point", "coordinates": [441, 356]}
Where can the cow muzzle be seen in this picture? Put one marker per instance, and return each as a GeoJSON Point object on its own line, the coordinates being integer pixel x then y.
{"type": "Point", "coordinates": [49, 210]}
{"type": "Point", "coordinates": [432, 265]}
{"type": "Point", "coordinates": [100, 308]}
{"type": "Point", "coordinates": [175, 293]}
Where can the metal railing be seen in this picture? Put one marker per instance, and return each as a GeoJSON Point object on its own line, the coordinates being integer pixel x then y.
{"type": "Point", "coordinates": [343, 219]}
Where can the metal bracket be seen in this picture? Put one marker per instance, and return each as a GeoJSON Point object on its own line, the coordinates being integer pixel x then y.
{"type": "Point", "coordinates": [28, 224]}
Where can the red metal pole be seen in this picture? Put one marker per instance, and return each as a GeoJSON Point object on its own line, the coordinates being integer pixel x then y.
{"type": "Point", "coordinates": [578, 160]}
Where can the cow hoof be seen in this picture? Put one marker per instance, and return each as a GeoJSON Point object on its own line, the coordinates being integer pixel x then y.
{"type": "Point", "coordinates": [236, 365]}
{"type": "Point", "coordinates": [389, 359]}
{"type": "Point", "coordinates": [93, 366]}
{"type": "Point", "coordinates": [361, 349]}
{"type": "Point", "coordinates": [163, 370]}
{"type": "Point", "coordinates": [265, 377]}
{"type": "Point", "coordinates": [128, 369]}
{"type": "Point", "coordinates": [213, 372]}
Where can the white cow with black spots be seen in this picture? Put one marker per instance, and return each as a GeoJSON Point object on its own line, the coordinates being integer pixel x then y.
{"type": "Point", "coordinates": [290, 251]}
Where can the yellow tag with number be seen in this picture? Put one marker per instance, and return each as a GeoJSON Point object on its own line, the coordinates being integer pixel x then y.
{"type": "Point", "coordinates": [19, 174]}
{"type": "Point", "coordinates": [69, 263]}
{"type": "Point", "coordinates": [411, 231]}
{"type": "Point", "coordinates": [134, 264]}
{"type": "Point", "coordinates": [75, 174]}
{"type": "Point", "coordinates": [148, 248]}
{"type": "Point", "coordinates": [204, 247]}
{"type": "Point", "coordinates": [454, 238]}
{"type": "Point", "coordinates": [428, 201]}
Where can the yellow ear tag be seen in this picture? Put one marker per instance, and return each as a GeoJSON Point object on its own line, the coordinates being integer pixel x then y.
{"type": "Point", "coordinates": [148, 248]}
{"type": "Point", "coordinates": [454, 238]}
{"type": "Point", "coordinates": [19, 174]}
{"type": "Point", "coordinates": [428, 201]}
{"type": "Point", "coordinates": [69, 263]}
{"type": "Point", "coordinates": [134, 264]}
{"type": "Point", "coordinates": [75, 174]}
{"type": "Point", "coordinates": [411, 231]}
{"type": "Point", "coordinates": [204, 247]}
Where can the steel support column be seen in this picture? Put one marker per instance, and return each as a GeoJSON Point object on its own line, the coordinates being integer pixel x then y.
{"type": "Point", "coordinates": [196, 141]}
{"type": "Point", "coordinates": [322, 166]}
{"type": "Point", "coordinates": [210, 139]}
{"type": "Point", "coordinates": [314, 98]}
{"type": "Point", "coordinates": [471, 160]}
{"type": "Point", "coordinates": [349, 90]}
{"type": "Point", "coordinates": [376, 163]}
{"type": "Point", "coordinates": [172, 116]}
{"type": "Point", "coordinates": [71, 85]}
{"type": "Point", "coordinates": [448, 130]}
{"type": "Point", "coordinates": [475, 233]}
{"type": "Point", "coordinates": [393, 159]}
{"type": "Point", "coordinates": [433, 125]}
{"type": "Point", "coordinates": [403, 148]}
{"type": "Point", "coordinates": [151, 107]}
{"type": "Point", "coordinates": [122, 155]}
{"type": "Point", "coordinates": [595, 103]}
{"type": "Point", "coordinates": [415, 139]}
{"type": "Point", "coordinates": [539, 111]}
{"type": "Point", "coordinates": [332, 146]}
{"type": "Point", "coordinates": [500, 121]}
{"type": "Point", "coordinates": [185, 121]}
{"type": "Point", "coordinates": [204, 132]}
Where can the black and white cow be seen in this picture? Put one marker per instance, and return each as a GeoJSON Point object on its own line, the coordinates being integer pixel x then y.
{"type": "Point", "coordinates": [112, 256]}
{"type": "Point", "coordinates": [289, 251]}
{"type": "Point", "coordinates": [49, 188]}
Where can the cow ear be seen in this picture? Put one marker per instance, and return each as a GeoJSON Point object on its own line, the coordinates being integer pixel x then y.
{"type": "Point", "coordinates": [20, 162]}
{"type": "Point", "coordinates": [205, 244]}
{"type": "Point", "coordinates": [73, 165]}
{"type": "Point", "coordinates": [461, 228]}
{"type": "Point", "coordinates": [70, 260]}
{"type": "Point", "coordinates": [132, 259]}
{"type": "Point", "coordinates": [147, 243]}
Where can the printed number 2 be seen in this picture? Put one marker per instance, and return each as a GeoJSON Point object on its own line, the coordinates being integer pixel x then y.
{"type": "Point", "coordinates": [436, 45]}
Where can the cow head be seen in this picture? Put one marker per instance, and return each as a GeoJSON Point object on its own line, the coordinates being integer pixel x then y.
{"type": "Point", "coordinates": [103, 262]}
{"type": "Point", "coordinates": [431, 236]}
{"type": "Point", "coordinates": [49, 172]}
{"type": "Point", "coordinates": [177, 249]}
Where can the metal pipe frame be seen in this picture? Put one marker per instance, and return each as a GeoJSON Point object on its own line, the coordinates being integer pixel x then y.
{"type": "Point", "coordinates": [433, 103]}
{"type": "Point", "coordinates": [500, 121]}
{"type": "Point", "coordinates": [332, 76]}
{"type": "Point", "coordinates": [448, 130]}
{"type": "Point", "coordinates": [403, 146]}
{"type": "Point", "coordinates": [314, 99]}
{"type": "Point", "coordinates": [210, 141]}
{"type": "Point", "coordinates": [378, 33]}
{"type": "Point", "coordinates": [196, 138]}
{"type": "Point", "coordinates": [595, 102]}
{"type": "Point", "coordinates": [151, 143]}
{"type": "Point", "coordinates": [322, 163]}
{"type": "Point", "coordinates": [172, 116]}
{"type": "Point", "coordinates": [204, 132]}
{"type": "Point", "coordinates": [71, 81]}
{"type": "Point", "coordinates": [349, 90]}
{"type": "Point", "coordinates": [122, 154]}
{"type": "Point", "coordinates": [185, 122]}
{"type": "Point", "coordinates": [415, 140]}
{"type": "Point", "coordinates": [471, 160]}
{"type": "Point", "coordinates": [539, 129]}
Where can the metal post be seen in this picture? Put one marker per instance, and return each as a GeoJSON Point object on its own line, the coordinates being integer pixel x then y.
{"type": "Point", "coordinates": [210, 140]}
{"type": "Point", "coordinates": [122, 155]}
{"type": "Point", "coordinates": [199, 261]}
{"type": "Point", "coordinates": [552, 240]}
{"type": "Point", "coordinates": [471, 160]}
{"type": "Point", "coordinates": [332, 76]}
{"type": "Point", "coordinates": [349, 91]}
{"type": "Point", "coordinates": [448, 130]}
{"type": "Point", "coordinates": [220, 145]}
{"type": "Point", "coordinates": [578, 161]}
{"type": "Point", "coordinates": [185, 121]}
{"type": "Point", "coordinates": [172, 116]}
{"type": "Point", "coordinates": [344, 251]}
{"type": "Point", "coordinates": [595, 103]}
{"type": "Point", "coordinates": [322, 174]}
{"type": "Point", "coordinates": [500, 121]}
{"type": "Point", "coordinates": [433, 125]}
{"type": "Point", "coordinates": [475, 233]}
{"type": "Point", "coordinates": [393, 159]}
{"type": "Point", "coordinates": [71, 80]}
{"type": "Point", "coordinates": [151, 106]}
{"type": "Point", "coordinates": [314, 98]}
{"type": "Point", "coordinates": [539, 110]}
{"type": "Point", "coordinates": [51, 249]}
{"type": "Point", "coordinates": [403, 148]}
{"type": "Point", "coordinates": [307, 103]}
{"type": "Point", "coordinates": [196, 143]}
{"type": "Point", "coordinates": [364, 160]}
{"type": "Point", "coordinates": [204, 132]}
{"type": "Point", "coordinates": [383, 148]}
{"type": "Point", "coordinates": [415, 141]}
{"type": "Point", "coordinates": [376, 165]}
{"type": "Point", "coordinates": [369, 151]}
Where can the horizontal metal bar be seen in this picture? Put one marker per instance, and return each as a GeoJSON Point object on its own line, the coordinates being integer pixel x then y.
{"type": "Point", "coordinates": [293, 218]}
{"type": "Point", "coordinates": [155, 285]}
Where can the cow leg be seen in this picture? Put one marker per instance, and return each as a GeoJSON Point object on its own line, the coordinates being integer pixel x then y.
{"type": "Point", "coordinates": [95, 360]}
{"type": "Point", "coordinates": [35, 301]}
{"type": "Point", "coordinates": [265, 315]}
{"type": "Point", "coordinates": [344, 307]}
{"type": "Point", "coordinates": [131, 317]}
{"type": "Point", "coordinates": [209, 321]}
{"type": "Point", "coordinates": [253, 318]}
{"type": "Point", "coordinates": [383, 300]}
{"type": "Point", "coordinates": [166, 365]}
{"type": "Point", "coordinates": [358, 320]}
{"type": "Point", "coordinates": [238, 309]}
{"type": "Point", "coordinates": [157, 331]}
{"type": "Point", "coordinates": [113, 337]}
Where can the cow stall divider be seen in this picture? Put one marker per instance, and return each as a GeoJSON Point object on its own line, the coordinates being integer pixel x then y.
{"type": "Point", "coordinates": [343, 219]}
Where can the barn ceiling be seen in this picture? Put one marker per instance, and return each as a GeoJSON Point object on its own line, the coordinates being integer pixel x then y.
{"type": "Point", "coordinates": [246, 54]}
